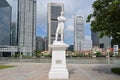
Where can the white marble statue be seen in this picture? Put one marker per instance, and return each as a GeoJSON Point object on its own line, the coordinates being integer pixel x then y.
{"type": "Point", "coordinates": [60, 28]}
{"type": "Point", "coordinates": [58, 68]}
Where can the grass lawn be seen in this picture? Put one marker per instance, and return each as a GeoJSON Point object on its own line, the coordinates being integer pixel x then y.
{"type": "Point", "coordinates": [5, 66]}
{"type": "Point", "coordinates": [116, 70]}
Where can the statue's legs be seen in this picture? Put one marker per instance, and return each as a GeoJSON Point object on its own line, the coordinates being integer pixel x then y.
{"type": "Point", "coordinates": [56, 36]}
{"type": "Point", "coordinates": [62, 30]}
{"type": "Point", "coordinates": [57, 32]}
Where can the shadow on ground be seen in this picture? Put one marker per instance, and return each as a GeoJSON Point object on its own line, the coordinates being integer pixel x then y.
{"type": "Point", "coordinates": [104, 69]}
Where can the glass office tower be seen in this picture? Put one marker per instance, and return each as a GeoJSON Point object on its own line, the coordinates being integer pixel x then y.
{"type": "Point", "coordinates": [26, 26]}
{"type": "Point", "coordinates": [5, 22]}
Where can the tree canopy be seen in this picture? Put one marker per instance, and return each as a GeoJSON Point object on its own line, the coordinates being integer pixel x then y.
{"type": "Point", "coordinates": [105, 19]}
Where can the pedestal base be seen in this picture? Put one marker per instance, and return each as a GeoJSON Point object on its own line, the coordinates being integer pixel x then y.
{"type": "Point", "coordinates": [58, 67]}
{"type": "Point", "coordinates": [59, 73]}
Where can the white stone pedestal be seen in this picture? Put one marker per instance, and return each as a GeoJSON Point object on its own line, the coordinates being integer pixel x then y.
{"type": "Point", "coordinates": [58, 67]}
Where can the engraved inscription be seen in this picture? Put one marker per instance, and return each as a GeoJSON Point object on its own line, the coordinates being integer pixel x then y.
{"type": "Point", "coordinates": [58, 61]}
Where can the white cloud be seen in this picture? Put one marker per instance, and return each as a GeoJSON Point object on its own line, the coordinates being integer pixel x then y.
{"type": "Point", "coordinates": [70, 28]}
{"type": "Point", "coordinates": [41, 13]}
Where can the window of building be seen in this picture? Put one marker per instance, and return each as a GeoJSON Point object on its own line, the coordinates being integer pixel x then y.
{"type": "Point", "coordinates": [101, 45]}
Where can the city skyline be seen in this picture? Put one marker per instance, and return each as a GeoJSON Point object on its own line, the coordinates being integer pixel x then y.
{"type": "Point", "coordinates": [73, 7]}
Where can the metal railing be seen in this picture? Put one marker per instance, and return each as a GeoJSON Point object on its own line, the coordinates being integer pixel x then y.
{"type": "Point", "coordinates": [79, 60]}
{"type": "Point", "coordinates": [8, 48]}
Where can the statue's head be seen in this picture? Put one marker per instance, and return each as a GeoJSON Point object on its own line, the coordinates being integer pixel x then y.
{"type": "Point", "coordinates": [62, 13]}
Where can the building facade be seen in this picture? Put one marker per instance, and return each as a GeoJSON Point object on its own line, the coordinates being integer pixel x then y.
{"type": "Point", "coordinates": [105, 42]}
{"type": "Point", "coordinates": [27, 26]}
{"type": "Point", "coordinates": [13, 34]}
{"type": "Point", "coordinates": [95, 39]}
{"type": "Point", "coordinates": [86, 45]}
{"type": "Point", "coordinates": [54, 11]}
{"type": "Point", "coordinates": [78, 32]}
{"type": "Point", "coordinates": [102, 43]}
{"type": "Point", "coordinates": [5, 22]}
{"type": "Point", "coordinates": [40, 43]}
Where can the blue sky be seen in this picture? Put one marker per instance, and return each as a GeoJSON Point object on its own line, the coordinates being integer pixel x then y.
{"type": "Point", "coordinates": [71, 8]}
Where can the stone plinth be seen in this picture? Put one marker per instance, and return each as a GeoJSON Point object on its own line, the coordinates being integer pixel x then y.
{"type": "Point", "coordinates": [58, 67]}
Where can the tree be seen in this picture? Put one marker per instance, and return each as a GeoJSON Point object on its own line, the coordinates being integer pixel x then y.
{"type": "Point", "coordinates": [105, 19]}
{"type": "Point", "coordinates": [38, 53]}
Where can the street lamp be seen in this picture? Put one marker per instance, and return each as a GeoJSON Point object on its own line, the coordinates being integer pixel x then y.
{"type": "Point", "coordinates": [19, 50]}
{"type": "Point", "coordinates": [108, 52]}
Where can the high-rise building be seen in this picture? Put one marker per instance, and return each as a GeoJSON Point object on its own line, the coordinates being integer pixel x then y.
{"type": "Point", "coordinates": [95, 39]}
{"type": "Point", "coordinates": [86, 45]}
{"type": "Point", "coordinates": [54, 11]}
{"type": "Point", "coordinates": [45, 43]}
{"type": "Point", "coordinates": [13, 34]}
{"type": "Point", "coordinates": [27, 26]}
{"type": "Point", "coordinates": [40, 43]}
{"type": "Point", "coordinates": [70, 48]}
{"type": "Point", "coordinates": [5, 22]}
{"type": "Point", "coordinates": [78, 32]}
{"type": "Point", "coordinates": [103, 43]}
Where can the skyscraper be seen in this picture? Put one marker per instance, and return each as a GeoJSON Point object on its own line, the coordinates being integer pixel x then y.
{"type": "Point", "coordinates": [27, 26]}
{"type": "Point", "coordinates": [13, 32]}
{"type": "Point", "coordinates": [5, 22]}
{"type": "Point", "coordinates": [54, 11]}
{"type": "Point", "coordinates": [78, 32]}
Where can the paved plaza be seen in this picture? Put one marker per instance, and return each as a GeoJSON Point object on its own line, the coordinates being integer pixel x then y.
{"type": "Point", "coordinates": [39, 71]}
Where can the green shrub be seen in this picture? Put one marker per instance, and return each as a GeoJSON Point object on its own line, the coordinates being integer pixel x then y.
{"type": "Point", "coordinates": [17, 55]}
{"type": "Point", "coordinates": [47, 55]}
{"type": "Point", "coordinates": [111, 54]}
{"type": "Point", "coordinates": [38, 53]}
{"type": "Point", "coordinates": [81, 55]}
{"type": "Point", "coordinates": [77, 54]}
{"type": "Point", "coordinates": [98, 54]}
{"type": "Point", "coordinates": [116, 70]}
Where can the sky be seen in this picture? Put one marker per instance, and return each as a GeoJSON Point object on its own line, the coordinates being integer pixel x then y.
{"type": "Point", "coordinates": [71, 8]}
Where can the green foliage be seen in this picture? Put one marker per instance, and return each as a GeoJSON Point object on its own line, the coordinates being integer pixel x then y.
{"type": "Point", "coordinates": [111, 54]}
{"type": "Point", "coordinates": [47, 55]}
{"type": "Point", "coordinates": [82, 55]}
{"type": "Point", "coordinates": [98, 54]}
{"type": "Point", "coordinates": [116, 70]}
{"type": "Point", "coordinates": [38, 53]}
{"type": "Point", "coordinates": [16, 55]}
{"type": "Point", "coordinates": [5, 66]}
{"type": "Point", "coordinates": [105, 19]}
{"type": "Point", "coordinates": [77, 54]}
{"type": "Point", "coordinates": [118, 53]}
